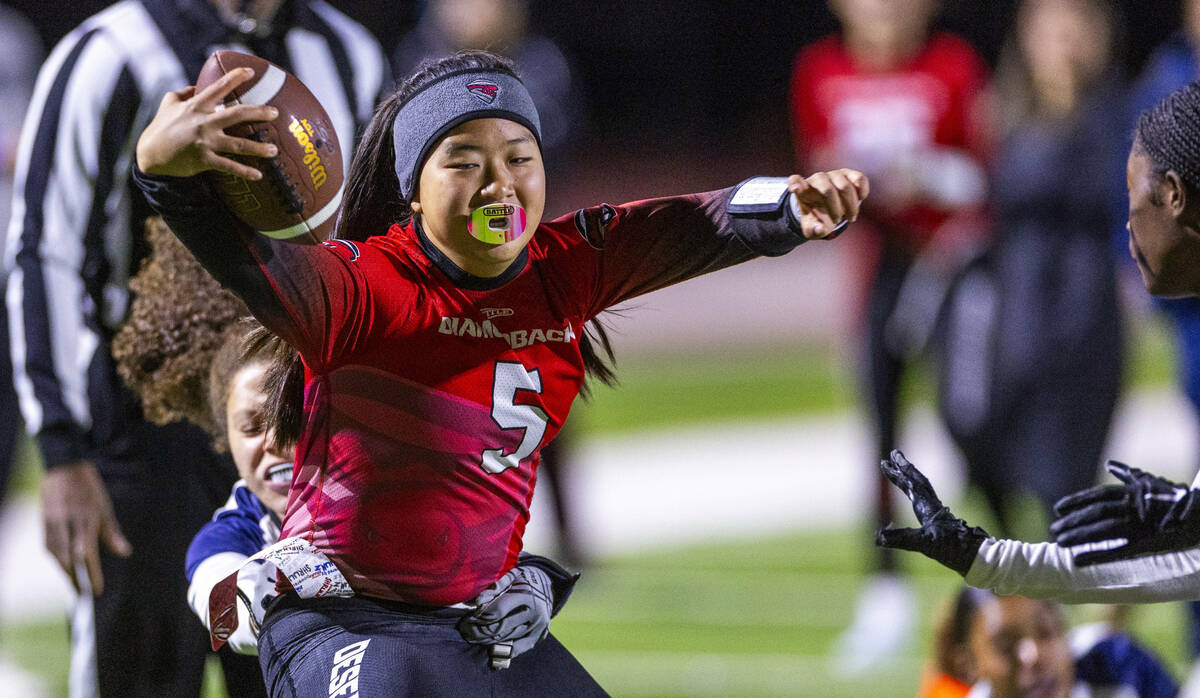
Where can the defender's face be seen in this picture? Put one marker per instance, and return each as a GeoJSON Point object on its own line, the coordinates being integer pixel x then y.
{"type": "Point", "coordinates": [1166, 252]}
{"type": "Point", "coordinates": [266, 468]}
{"type": "Point", "coordinates": [1020, 647]}
{"type": "Point", "coordinates": [480, 162]}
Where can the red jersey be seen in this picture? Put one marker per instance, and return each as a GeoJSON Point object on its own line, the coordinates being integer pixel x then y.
{"type": "Point", "coordinates": [430, 391]}
{"type": "Point", "coordinates": [867, 119]}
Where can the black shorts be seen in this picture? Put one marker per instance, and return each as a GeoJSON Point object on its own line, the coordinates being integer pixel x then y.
{"type": "Point", "coordinates": [318, 648]}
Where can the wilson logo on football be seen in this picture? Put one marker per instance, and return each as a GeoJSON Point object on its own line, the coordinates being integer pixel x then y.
{"type": "Point", "coordinates": [484, 90]}
{"type": "Point", "coordinates": [303, 132]}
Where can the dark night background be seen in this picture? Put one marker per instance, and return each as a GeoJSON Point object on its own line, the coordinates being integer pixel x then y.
{"type": "Point", "coordinates": [691, 93]}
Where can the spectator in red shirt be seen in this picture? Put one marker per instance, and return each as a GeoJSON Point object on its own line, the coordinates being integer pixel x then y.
{"type": "Point", "coordinates": [897, 102]}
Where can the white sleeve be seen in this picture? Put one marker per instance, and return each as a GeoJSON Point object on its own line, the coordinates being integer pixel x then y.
{"type": "Point", "coordinates": [206, 576]}
{"type": "Point", "coordinates": [1047, 571]}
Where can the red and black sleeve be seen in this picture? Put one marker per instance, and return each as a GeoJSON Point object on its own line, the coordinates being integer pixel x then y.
{"type": "Point", "coordinates": [312, 296]}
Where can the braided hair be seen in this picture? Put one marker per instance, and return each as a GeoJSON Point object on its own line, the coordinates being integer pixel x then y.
{"type": "Point", "coordinates": [1169, 133]}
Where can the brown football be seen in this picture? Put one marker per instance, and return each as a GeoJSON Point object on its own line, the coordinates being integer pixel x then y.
{"type": "Point", "coordinates": [301, 190]}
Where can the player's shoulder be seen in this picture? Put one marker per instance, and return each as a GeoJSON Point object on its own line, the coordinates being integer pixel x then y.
{"type": "Point", "coordinates": [822, 54]}
{"type": "Point", "coordinates": [950, 45]}
{"type": "Point", "coordinates": [953, 55]}
{"type": "Point", "coordinates": [242, 503]}
{"type": "Point", "coordinates": [583, 228]}
{"type": "Point", "coordinates": [394, 254]}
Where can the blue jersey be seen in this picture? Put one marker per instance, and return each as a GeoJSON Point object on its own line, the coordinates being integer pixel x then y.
{"type": "Point", "coordinates": [244, 525]}
{"type": "Point", "coordinates": [1114, 661]}
{"type": "Point", "coordinates": [239, 530]}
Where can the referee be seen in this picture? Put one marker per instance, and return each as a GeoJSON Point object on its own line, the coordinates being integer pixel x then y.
{"type": "Point", "coordinates": [121, 497]}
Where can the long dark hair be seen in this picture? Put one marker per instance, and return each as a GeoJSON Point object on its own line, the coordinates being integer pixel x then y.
{"type": "Point", "coordinates": [372, 201]}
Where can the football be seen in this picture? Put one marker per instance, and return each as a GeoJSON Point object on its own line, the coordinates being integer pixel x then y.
{"type": "Point", "coordinates": [301, 190]}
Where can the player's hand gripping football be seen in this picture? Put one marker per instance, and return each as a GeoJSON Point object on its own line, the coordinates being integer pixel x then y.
{"type": "Point", "coordinates": [1151, 514]}
{"type": "Point", "coordinates": [187, 135]}
{"type": "Point", "coordinates": [942, 536]}
{"type": "Point", "coordinates": [826, 199]}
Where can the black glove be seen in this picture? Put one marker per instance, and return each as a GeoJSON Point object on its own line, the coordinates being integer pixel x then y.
{"type": "Point", "coordinates": [1153, 515]}
{"type": "Point", "coordinates": [513, 614]}
{"type": "Point", "coordinates": [942, 536]}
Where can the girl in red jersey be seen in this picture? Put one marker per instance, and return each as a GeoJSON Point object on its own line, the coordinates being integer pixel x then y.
{"type": "Point", "coordinates": [442, 343]}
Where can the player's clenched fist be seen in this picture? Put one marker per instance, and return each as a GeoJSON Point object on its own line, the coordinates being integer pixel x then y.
{"type": "Point", "coordinates": [827, 199]}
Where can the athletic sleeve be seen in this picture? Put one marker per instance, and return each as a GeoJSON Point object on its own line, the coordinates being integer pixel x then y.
{"type": "Point", "coordinates": [647, 245]}
{"type": "Point", "coordinates": [254, 582]}
{"type": "Point", "coordinates": [70, 182]}
{"type": "Point", "coordinates": [232, 530]}
{"type": "Point", "coordinates": [1047, 571]}
{"type": "Point", "coordinates": [219, 549]}
{"type": "Point", "coordinates": [317, 298]}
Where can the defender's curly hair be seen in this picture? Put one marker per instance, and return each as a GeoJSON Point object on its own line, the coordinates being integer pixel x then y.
{"type": "Point", "coordinates": [178, 320]}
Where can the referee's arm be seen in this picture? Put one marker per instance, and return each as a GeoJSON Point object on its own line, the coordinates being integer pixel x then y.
{"type": "Point", "coordinates": [69, 182]}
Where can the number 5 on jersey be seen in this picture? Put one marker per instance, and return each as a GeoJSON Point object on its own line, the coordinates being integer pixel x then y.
{"type": "Point", "coordinates": [510, 377]}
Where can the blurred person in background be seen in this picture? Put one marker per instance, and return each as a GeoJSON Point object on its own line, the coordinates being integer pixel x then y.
{"type": "Point", "coordinates": [1031, 363]}
{"type": "Point", "coordinates": [1016, 647]}
{"type": "Point", "coordinates": [1171, 66]}
{"type": "Point", "coordinates": [23, 55]}
{"type": "Point", "coordinates": [75, 238]}
{"type": "Point", "coordinates": [899, 103]}
{"type": "Point", "coordinates": [502, 27]}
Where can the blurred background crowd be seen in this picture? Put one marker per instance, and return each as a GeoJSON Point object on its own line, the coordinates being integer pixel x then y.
{"type": "Point", "coordinates": [990, 268]}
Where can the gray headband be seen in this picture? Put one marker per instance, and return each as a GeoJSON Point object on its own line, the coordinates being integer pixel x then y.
{"type": "Point", "coordinates": [450, 100]}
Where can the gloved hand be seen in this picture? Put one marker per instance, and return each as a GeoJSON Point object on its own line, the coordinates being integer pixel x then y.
{"type": "Point", "coordinates": [513, 614]}
{"type": "Point", "coordinates": [1151, 514]}
{"type": "Point", "coordinates": [942, 536]}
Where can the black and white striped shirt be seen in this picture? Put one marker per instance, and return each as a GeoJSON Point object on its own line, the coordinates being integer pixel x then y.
{"type": "Point", "coordinates": [75, 236]}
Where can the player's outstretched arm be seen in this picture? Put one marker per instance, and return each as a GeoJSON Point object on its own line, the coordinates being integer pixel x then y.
{"type": "Point", "coordinates": [942, 536]}
{"type": "Point", "coordinates": [1036, 570]}
{"type": "Point", "coordinates": [1143, 515]}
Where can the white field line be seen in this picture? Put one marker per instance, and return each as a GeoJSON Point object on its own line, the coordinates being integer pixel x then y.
{"type": "Point", "coordinates": [697, 485]}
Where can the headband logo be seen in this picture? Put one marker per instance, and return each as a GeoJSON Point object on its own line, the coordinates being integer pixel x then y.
{"type": "Point", "coordinates": [484, 90]}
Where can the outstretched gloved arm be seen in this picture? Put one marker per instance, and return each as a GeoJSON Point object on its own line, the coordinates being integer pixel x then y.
{"type": "Point", "coordinates": [942, 536]}
{"type": "Point", "coordinates": [1143, 515]}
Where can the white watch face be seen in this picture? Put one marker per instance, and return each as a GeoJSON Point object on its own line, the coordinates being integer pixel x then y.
{"type": "Point", "coordinates": [760, 191]}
